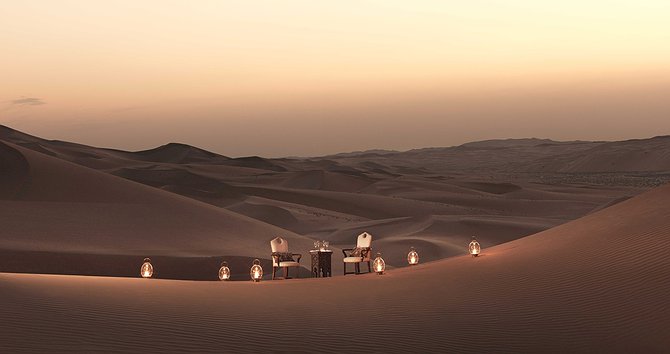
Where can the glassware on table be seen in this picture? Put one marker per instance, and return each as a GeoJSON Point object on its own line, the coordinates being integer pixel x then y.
{"type": "Point", "coordinates": [317, 245]}
{"type": "Point", "coordinates": [326, 244]}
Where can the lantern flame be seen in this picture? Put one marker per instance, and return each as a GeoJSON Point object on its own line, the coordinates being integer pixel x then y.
{"type": "Point", "coordinates": [474, 247]}
{"type": "Point", "coordinates": [256, 271]}
{"type": "Point", "coordinates": [224, 271]}
{"type": "Point", "coordinates": [147, 270]}
{"type": "Point", "coordinates": [412, 257]}
{"type": "Point", "coordinates": [379, 265]}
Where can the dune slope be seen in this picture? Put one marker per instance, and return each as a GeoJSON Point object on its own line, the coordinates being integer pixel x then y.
{"type": "Point", "coordinates": [430, 198]}
{"type": "Point", "coordinates": [55, 207]}
{"type": "Point", "coordinates": [597, 284]}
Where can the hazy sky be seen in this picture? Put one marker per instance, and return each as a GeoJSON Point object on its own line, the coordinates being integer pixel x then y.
{"type": "Point", "coordinates": [277, 78]}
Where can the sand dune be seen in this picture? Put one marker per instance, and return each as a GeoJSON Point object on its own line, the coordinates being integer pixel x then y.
{"type": "Point", "coordinates": [510, 155]}
{"type": "Point", "coordinates": [646, 155]}
{"type": "Point", "coordinates": [182, 181]}
{"type": "Point", "coordinates": [439, 236]}
{"type": "Point", "coordinates": [364, 205]}
{"type": "Point", "coordinates": [61, 208]}
{"type": "Point", "coordinates": [324, 180]}
{"type": "Point", "coordinates": [597, 284]}
{"type": "Point", "coordinates": [430, 197]}
{"type": "Point", "coordinates": [14, 174]}
{"type": "Point", "coordinates": [179, 153]}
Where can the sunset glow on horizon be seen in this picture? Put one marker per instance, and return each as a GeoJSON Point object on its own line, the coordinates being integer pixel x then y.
{"type": "Point", "coordinates": [283, 78]}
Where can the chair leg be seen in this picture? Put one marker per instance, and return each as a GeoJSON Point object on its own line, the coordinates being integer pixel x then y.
{"type": "Point", "coordinates": [285, 272]}
{"type": "Point", "coordinates": [345, 268]}
{"type": "Point", "coordinates": [274, 271]}
{"type": "Point", "coordinates": [358, 268]}
{"type": "Point", "coordinates": [369, 268]}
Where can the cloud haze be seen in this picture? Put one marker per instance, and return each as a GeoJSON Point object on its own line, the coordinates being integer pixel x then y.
{"type": "Point", "coordinates": [29, 101]}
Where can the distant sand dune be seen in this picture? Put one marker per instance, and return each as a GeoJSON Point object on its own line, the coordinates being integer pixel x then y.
{"type": "Point", "coordinates": [67, 209]}
{"type": "Point", "coordinates": [647, 155]}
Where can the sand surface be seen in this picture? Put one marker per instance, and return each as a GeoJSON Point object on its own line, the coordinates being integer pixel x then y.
{"type": "Point", "coordinates": [575, 257]}
{"type": "Point", "coordinates": [67, 202]}
{"type": "Point", "coordinates": [597, 284]}
{"type": "Point", "coordinates": [64, 218]}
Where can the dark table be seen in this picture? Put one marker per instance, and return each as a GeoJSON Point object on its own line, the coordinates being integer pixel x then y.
{"type": "Point", "coordinates": [321, 263]}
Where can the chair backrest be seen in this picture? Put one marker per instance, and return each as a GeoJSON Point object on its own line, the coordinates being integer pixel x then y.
{"type": "Point", "coordinates": [364, 240]}
{"type": "Point", "coordinates": [278, 244]}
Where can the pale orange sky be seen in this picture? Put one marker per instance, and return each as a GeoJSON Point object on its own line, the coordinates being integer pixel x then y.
{"type": "Point", "coordinates": [278, 78]}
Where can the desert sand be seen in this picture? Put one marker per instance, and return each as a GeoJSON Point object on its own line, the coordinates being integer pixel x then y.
{"type": "Point", "coordinates": [70, 201]}
{"type": "Point", "coordinates": [596, 284]}
{"type": "Point", "coordinates": [574, 258]}
{"type": "Point", "coordinates": [63, 218]}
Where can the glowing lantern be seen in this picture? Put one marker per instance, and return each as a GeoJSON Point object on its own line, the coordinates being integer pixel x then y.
{"type": "Point", "coordinates": [147, 270]}
{"type": "Point", "coordinates": [256, 271]}
{"type": "Point", "coordinates": [474, 247]}
{"type": "Point", "coordinates": [378, 264]}
{"type": "Point", "coordinates": [412, 257]}
{"type": "Point", "coordinates": [224, 271]}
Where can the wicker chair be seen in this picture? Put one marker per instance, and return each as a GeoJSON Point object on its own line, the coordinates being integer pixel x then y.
{"type": "Point", "coordinates": [282, 258]}
{"type": "Point", "coordinates": [361, 254]}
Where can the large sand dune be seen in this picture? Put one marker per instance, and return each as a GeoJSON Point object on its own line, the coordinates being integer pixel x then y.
{"type": "Point", "coordinates": [430, 198]}
{"type": "Point", "coordinates": [597, 284]}
{"type": "Point", "coordinates": [63, 210]}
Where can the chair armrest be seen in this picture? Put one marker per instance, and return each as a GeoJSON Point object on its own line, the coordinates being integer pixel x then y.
{"type": "Point", "coordinates": [345, 253]}
{"type": "Point", "coordinates": [366, 253]}
{"type": "Point", "coordinates": [299, 256]}
{"type": "Point", "coordinates": [275, 258]}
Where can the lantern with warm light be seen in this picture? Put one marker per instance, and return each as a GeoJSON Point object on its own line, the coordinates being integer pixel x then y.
{"type": "Point", "coordinates": [256, 271]}
{"type": "Point", "coordinates": [474, 247]}
{"type": "Point", "coordinates": [412, 257]}
{"type": "Point", "coordinates": [147, 270]}
{"type": "Point", "coordinates": [378, 264]}
{"type": "Point", "coordinates": [224, 271]}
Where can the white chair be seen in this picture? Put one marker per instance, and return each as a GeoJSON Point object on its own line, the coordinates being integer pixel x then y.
{"type": "Point", "coordinates": [361, 254]}
{"type": "Point", "coordinates": [282, 258]}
